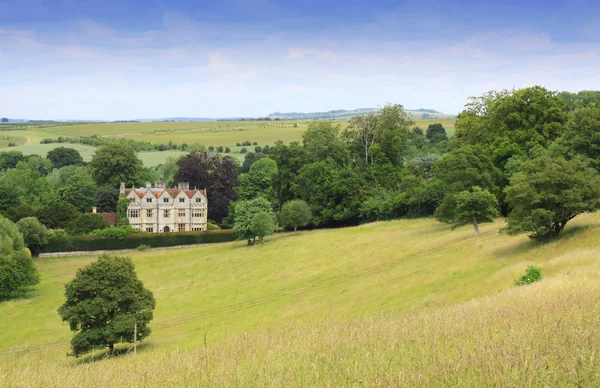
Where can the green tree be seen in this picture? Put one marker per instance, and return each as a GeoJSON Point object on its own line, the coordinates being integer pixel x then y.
{"type": "Point", "coordinates": [76, 186]}
{"type": "Point", "coordinates": [58, 215]}
{"type": "Point", "coordinates": [9, 159]}
{"type": "Point", "coordinates": [114, 164]}
{"type": "Point", "coordinates": [436, 133]}
{"type": "Point", "coordinates": [87, 223]}
{"type": "Point", "coordinates": [63, 156]}
{"type": "Point", "coordinates": [258, 181]}
{"type": "Point", "coordinates": [294, 214]}
{"type": "Point", "coordinates": [245, 212]}
{"type": "Point", "coordinates": [34, 234]}
{"type": "Point", "coordinates": [581, 137]}
{"type": "Point", "coordinates": [547, 193]}
{"type": "Point", "coordinates": [322, 142]}
{"type": "Point", "coordinates": [17, 272]}
{"type": "Point", "coordinates": [262, 224]}
{"type": "Point", "coordinates": [475, 206]}
{"type": "Point", "coordinates": [106, 199]}
{"type": "Point", "coordinates": [104, 304]}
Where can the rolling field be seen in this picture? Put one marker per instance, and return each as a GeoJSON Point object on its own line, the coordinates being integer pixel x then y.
{"type": "Point", "coordinates": [408, 302]}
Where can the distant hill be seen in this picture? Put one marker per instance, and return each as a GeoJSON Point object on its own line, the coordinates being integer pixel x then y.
{"type": "Point", "coordinates": [343, 114]}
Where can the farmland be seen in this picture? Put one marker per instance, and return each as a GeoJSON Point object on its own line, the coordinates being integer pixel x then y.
{"type": "Point", "coordinates": [408, 302]}
{"type": "Point", "coordinates": [219, 133]}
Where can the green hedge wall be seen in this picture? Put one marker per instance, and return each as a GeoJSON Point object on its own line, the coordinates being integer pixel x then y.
{"type": "Point", "coordinates": [154, 240]}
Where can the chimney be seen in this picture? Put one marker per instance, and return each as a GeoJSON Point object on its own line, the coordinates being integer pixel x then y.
{"type": "Point", "coordinates": [94, 210]}
{"type": "Point", "coordinates": [159, 185]}
{"type": "Point", "coordinates": [183, 185]}
{"type": "Point", "coordinates": [148, 185]}
{"type": "Point", "coordinates": [122, 188]}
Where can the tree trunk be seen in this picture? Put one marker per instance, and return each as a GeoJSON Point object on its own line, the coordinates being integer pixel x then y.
{"type": "Point", "coordinates": [475, 226]}
{"type": "Point", "coordinates": [295, 229]}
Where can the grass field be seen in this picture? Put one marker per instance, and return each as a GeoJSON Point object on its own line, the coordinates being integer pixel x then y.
{"type": "Point", "coordinates": [407, 302]}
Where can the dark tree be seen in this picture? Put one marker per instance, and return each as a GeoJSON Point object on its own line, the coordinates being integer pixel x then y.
{"type": "Point", "coordinates": [9, 159]}
{"type": "Point", "coordinates": [105, 303]}
{"type": "Point", "coordinates": [213, 172]}
{"type": "Point", "coordinates": [4, 120]}
{"type": "Point", "coordinates": [249, 160]}
{"type": "Point", "coordinates": [86, 223]}
{"type": "Point", "coordinates": [63, 156]}
{"type": "Point", "coordinates": [58, 215]}
{"type": "Point", "coordinates": [290, 159]}
{"type": "Point", "coordinates": [106, 199]}
{"type": "Point", "coordinates": [436, 133]}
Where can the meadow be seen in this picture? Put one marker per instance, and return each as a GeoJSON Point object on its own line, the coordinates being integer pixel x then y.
{"type": "Point", "coordinates": [405, 302]}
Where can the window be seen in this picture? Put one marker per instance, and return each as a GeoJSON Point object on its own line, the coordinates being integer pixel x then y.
{"type": "Point", "coordinates": [198, 200]}
{"type": "Point", "coordinates": [198, 213]}
{"type": "Point", "coordinates": [132, 201]}
{"type": "Point", "coordinates": [166, 200]}
{"type": "Point", "coordinates": [196, 229]}
{"type": "Point", "coordinates": [148, 199]}
{"type": "Point", "coordinates": [149, 212]}
{"type": "Point", "coordinates": [150, 230]}
{"type": "Point", "coordinates": [133, 213]}
{"type": "Point", "coordinates": [181, 227]}
{"type": "Point", "coordinates": [182, 200]}
{"type": "Point", "coordinates": [166, 213]}
{"type": "Point", "coordinates": [181, 212]}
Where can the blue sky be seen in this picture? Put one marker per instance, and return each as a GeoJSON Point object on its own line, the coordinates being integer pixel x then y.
{"type": "Point", "coordinates": [84, 59]}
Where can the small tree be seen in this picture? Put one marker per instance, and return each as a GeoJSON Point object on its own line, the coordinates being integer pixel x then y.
{"type": "Point", "coordinates": [262, 225]}
{"type": "Point", "coordinates": [476, 206]}
{"type": "Point", "coordinates": [34, 233]}
{"type": "Point", "coordinates": [549, 192]}
{"type": "Point", "coordinates": [63, 156]}
{"type": "Point", "coordinates": [4, 120]}
{"type": "Point", "coordinates": [244, 214]}
{"type": "Point", "coordinates": [105, 302]}
{"type": "Point", "coordinates": [294, 214]}
{"type": "Point", "coordinates": [436, 133]}
{"type": "Point", "coordinates": [87, 223]}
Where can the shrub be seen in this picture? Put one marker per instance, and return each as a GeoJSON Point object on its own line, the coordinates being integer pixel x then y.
{"type": "Point", "coordinates": [255, 143]}
{"type": "Point", "coordinates": [119, 232]}
{"type": "Point", "coordinates": [238, 145]}
{"type": "Point", "coordinates": [143, 247]}
{"type": "Point", "coordinates": [258, 149]}
{"type": "Point", "coordinates": [58, 241]}
{"type": "Point", "coordinates": [227, 150]}
{"type": "Point", "coordinates": [212, 226]}
{"type": "Point", "coordinates": [532, 274]}
{"type": "Point", "coordinates": [17, 272]}
{"type": "Point", "coordinates": [243, 151]}
{"type": "Point", "coordinates": [246, 143]}
{"type": "Point", "coordinates": [220, 149]}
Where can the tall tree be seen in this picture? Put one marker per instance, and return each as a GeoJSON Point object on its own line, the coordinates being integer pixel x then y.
{"type": "Point", "coordinates": [258, 181]}
{"type": "Point", "coordinates": [114, 164]}
{"type": "Point", "coordinates": [322, 141]}
{"type": "Point", "coordinates": [76, 186]}
{"type": "Point", "coordinates": [17, 272]}
{"type": "Point", "coordinates": [581, 137]}
{"type": "Point", "coordinates": [213, 172]}
{"type": "Point", "coordinates": [363, 128]}
{"type": "Point", "coordinates": [436, 133]}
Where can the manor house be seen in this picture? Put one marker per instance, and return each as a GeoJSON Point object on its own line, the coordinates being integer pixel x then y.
{"type": "Point", "coordinates": [158, 209]}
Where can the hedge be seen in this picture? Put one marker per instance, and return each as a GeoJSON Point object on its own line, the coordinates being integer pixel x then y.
{"type": "Point", "coordinates": [154, 240]}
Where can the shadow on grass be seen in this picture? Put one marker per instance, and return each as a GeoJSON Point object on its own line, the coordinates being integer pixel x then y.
{"type": "Point", "coordinates": [526, 246]}
{"type": "Point", "coordinates": [119, 351]}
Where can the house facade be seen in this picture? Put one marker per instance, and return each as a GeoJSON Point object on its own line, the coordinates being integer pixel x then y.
{"type": "Point", "coordinates": [161, 210]}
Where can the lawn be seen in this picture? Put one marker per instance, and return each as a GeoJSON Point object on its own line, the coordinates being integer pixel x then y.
{"type": "Point", "coordinates": [408, 302]}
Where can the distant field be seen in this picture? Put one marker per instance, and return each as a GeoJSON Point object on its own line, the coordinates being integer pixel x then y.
{"type": "Point", "coordinates": [399, 303]}
{"type": "Point", "coordinates": [42, 149]}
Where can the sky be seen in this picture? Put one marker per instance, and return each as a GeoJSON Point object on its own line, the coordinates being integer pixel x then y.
{"type": "Point", "coordinates": [134, 59]}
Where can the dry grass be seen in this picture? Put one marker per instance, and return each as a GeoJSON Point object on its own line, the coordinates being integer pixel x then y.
{"type": "Point", "coordinates": [403, 303]}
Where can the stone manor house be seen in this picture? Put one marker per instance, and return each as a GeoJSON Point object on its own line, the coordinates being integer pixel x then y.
{"type": "Point", "coordinates": [158, 209]}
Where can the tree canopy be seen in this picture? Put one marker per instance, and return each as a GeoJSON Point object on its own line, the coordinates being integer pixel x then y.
{"type": "Point", "coordinates": [475, 206]}
{"type": "Point", "coordinates": [63, 156]}
{"type": "Point", "coordinates": [17, 272]}
{"type": "Point", "coordinates": [115, 163]}
{"type": "Point", "coordinates": [104, 303]}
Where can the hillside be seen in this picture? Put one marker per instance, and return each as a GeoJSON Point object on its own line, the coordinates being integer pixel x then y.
{"type": "Point", "coordinates": [343, 114]}
{"type": "Point", "coordinates": [388, 303]}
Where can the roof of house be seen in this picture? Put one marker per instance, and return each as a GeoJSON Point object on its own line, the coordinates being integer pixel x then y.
{"type": "Point", "coordinates": [157, 192]}
{"type": "Point", "coordinates": [111, 218]}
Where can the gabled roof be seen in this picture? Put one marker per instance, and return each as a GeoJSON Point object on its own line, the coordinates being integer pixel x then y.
{"type": "Point", "coordinates": [159, 192]}
{"type": "Point", "coordinates": [111, 218]}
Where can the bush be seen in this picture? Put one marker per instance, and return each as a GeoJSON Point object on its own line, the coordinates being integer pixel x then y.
{"type": "Point", "coordinates": [532, 274]}
{"type": "Point", "coordinates": [34, 234]}
{"type": "Point", "coordinates": [238, 145]}
{"type": "Point", "coordinates": [246, 143]}
{"type": "Point", "coordinates": [243, 151]}
{"type": "Point", "coordinates": [143, 247]}
{"type": "Point", "coordinates": [17, 272]}
{"type": "Point", "coordinates": [58, 241]}
{"type": "Point", "coordinates": [119, 232]}
{"type": "Point", "coordinates": [220, 149]}
{"type": "Point", "coordinates": [212, 226]}
{"type": "Point", "coordinates": [258, 149]}
{"type": "Point", "coordinates": [227, 150]}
